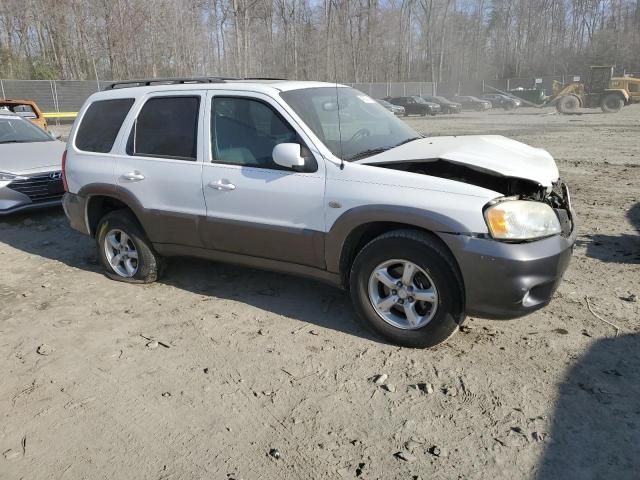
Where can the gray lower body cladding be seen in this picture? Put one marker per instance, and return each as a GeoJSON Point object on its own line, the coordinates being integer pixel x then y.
{"type": "Point", "coordinates": [501, 280]}
{"type": "Point", "coordinates": [75, 208]}
{"type": "Point", "coordinates": [507, 280]}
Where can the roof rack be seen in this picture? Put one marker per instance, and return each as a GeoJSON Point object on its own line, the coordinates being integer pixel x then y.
{"type": "Point", "coordinates": [145, 82]}
{"type": "Point", "coordinates": [263, 78]}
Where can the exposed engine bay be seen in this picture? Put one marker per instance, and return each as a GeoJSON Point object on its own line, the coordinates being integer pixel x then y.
{"type": "Point", "coordinates": [557, 196]}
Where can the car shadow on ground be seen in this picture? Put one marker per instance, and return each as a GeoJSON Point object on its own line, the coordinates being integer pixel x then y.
{"type": "Point", "coordinates": [47, 234]}
{"type": "Point", "coordinates": [596, 424]}
{"type": "Point", "coordinates": [616, 248]}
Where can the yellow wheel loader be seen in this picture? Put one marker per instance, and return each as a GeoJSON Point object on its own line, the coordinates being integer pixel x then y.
{"type": "Point", "coordinates": [594, 93]}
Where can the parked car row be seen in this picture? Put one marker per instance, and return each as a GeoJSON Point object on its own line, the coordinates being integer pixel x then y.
{"type": "Point", "coordinates": [434, 104]}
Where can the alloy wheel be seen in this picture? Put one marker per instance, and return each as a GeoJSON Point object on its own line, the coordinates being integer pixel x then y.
{"type": "Point", "coordinates": [121, 253]}
{"type": "Point", "coordinates": [403, 294]}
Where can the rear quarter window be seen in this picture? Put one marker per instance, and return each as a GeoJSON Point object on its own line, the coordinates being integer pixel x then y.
{"type": "Point", "coordinates": [101, 123]}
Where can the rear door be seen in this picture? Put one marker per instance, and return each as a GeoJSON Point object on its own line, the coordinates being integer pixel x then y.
{"type": "Point", "coordinates": [159, 169]}
{"type": "Point", "coordinates": [254, 207]}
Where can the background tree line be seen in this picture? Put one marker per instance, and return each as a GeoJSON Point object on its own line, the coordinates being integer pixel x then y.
{"type": "Point", "coordinates": [344, 40]}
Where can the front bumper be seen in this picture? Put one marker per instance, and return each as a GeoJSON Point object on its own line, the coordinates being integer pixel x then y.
{"type": "Point", "coordinates": [23, 207]}
{"type": "Point", "coordinates": [40, 190]}
{"type": "Point", "coordinates": [507, 280]}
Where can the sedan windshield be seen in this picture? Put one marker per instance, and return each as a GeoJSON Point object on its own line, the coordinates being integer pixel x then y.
{"type": "Point", "coordinates": [350, 124]}
{"type": "Point", "coordinates": [17, 130]}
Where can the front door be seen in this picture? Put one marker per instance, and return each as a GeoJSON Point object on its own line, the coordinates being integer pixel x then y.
{"type": "Point", "coordinates": [255, 207]}
{"type": "Point", "coordinates": [159, 169]}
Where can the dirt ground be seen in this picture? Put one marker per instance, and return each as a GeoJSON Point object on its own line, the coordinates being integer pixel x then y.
{"type": "Point", "coordinates": [258, 375]}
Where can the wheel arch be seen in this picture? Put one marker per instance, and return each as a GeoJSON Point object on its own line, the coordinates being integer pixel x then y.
{"type": "Point", "coordinates": [357, 227]}
{"type": "Point", "coordinates": [100, 202]}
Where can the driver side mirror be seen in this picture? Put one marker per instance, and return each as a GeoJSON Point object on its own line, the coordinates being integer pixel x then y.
{"type": "Point", "coordinates": [288, 155]}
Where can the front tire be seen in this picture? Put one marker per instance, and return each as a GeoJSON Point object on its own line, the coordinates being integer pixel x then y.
{"type": "Point", "coordinates": [406, 287]}
{"type": "Point", "coordinates": [568, 104]}
{"type": "Point", "coordinates": [612, 103]}
{"type": "Point", "coordinates": [124, 250]}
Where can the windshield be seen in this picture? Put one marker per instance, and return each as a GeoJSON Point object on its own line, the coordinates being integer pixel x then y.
{"type": "Point", "coordinates": [17, 130]}
{"type": "Point", "coordinates": [365, 127]}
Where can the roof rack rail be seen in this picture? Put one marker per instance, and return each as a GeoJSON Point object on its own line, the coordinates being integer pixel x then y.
{"type": "Point", "coordinates": [145, 82]}
{"type": "Point", "coordinates": [264, 78]}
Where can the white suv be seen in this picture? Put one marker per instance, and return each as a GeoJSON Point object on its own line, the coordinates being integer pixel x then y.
{"type": "Point", "coordinates": [319, 180]}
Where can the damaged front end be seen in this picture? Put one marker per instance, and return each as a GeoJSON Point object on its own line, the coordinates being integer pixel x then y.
{"type": "Point", "coordinates": [511, 188]}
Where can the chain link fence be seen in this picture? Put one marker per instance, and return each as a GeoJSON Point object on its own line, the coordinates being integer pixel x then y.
{"type": "Point", "coordinates": [52, 95]}
{"type": "Point", "coordinates": [69, 95]}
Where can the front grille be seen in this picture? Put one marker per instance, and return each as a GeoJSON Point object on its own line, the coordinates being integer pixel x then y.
{"type": "Point", "coordinates": [40, 187]}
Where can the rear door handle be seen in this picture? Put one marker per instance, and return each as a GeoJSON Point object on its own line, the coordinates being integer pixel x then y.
{"type": "Point", "coordinates": [134, 176]}
{"type": "Point", "coordinates": [219, 185]}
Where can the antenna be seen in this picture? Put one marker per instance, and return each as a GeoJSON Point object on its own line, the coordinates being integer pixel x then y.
{"type": "Point", "coordinates": [339, 128]}
{"type": "Point", "coordinates": [335, 76]}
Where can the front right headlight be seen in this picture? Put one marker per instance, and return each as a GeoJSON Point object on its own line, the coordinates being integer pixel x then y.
{"type": "Point", "coordinates": [521, 220]}
{"type": "Point", "coordinates": [9, 177]}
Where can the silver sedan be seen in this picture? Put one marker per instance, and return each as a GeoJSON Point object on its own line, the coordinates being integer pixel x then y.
{"type": "Point", "coordinates": [30, 166]}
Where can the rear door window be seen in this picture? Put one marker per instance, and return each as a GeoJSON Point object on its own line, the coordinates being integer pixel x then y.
{"type": "Point", "coordinates": [166, 127]}
{"type": "Point", "coordinates": [101, 124]}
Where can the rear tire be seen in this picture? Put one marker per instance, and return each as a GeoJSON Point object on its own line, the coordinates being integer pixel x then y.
{"type": "Point", "coordinates": [124, 250]}
{"type": "Point", "coordinates": [568, 104]}
{"type": "Point", "coordinates": [435, 268]}
{"type": "Point", "coordinates": [612, 103]}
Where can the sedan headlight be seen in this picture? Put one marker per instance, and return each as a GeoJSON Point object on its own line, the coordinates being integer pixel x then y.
{"type": "Point", "coordinates": [521, 220]}
{"type": "Point", "coordinates": [9, 177]}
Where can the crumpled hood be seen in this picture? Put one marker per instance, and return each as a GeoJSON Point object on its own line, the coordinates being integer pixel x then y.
{"type": "Point", "coordinates": [489, 153]}
{"type": "Point", "coordinates": [33, 157]}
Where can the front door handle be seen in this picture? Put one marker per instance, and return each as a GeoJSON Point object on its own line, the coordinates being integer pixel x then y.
{"type": "Point", "coordinates": [219, 185]}
{"type": "Point", "coordinates": [134, 176]}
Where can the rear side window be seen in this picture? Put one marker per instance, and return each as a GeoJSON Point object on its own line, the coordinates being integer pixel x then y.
{"type": "Point", "coordinates": [101, 124]}
{"type": "Point", "coordinates": [167, 127]}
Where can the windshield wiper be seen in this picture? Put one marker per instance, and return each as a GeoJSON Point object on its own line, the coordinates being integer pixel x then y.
{"type": "Point", "coordinates": [375, 151]}
{"type": "Point", "coordinates": [406, 141]}
{"type": "Point", "coordinates": [367, 153]}
{"type": "Point", "coordinates": [13, 141]}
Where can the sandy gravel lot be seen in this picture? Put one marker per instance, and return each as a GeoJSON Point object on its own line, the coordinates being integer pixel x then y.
{"type": "Point", "coordinates": [249, 362]}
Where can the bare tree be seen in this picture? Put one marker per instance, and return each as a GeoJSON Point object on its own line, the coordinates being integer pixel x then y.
{"type": "Point", "coordinates": [345, 40]}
